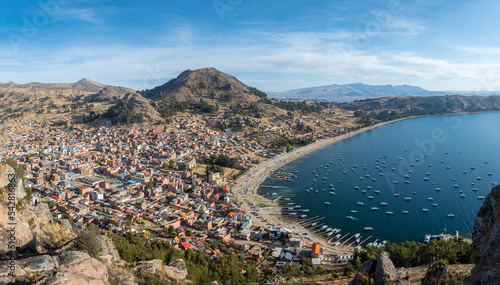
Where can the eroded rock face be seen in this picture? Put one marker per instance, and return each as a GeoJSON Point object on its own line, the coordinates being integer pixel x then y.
{"type": "Point", "coordinates": [486, 241]}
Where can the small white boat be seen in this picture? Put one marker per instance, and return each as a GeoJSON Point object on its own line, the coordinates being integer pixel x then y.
{"type": "Point", "coordinates": [389, 213]}
{"type": "Point", "coordinates": [356, 187]}
{"type": "Point", "coordinates": [479, 178]}
{"type": "Point", "coordinates": [353, 211]}
{"type": "Point", "coordinates": [395, 182]}
{"type": "Point", "coordinates": [480, 197]}
{"type": "Point", "coordinates": [405, 212]}
{"type": "Point", "coordinates": [451, 215]}
{"type": "Point", "coordinates": [370, 197]}
{"type": "Point", "coordinates": [360, 204]}
{"type": "Point", "coordinates": [367, 228]}
{"type": "Point", "coordinates": [327, 203]}
{"type": "Point", "coordinates": [363, 191]}
{"type": "Point", "coordinates": [463, 195]}
{"type": "Point", "coordinates": [374, 208]}
{"type": "Point", "coordinates": [448, 167]}
{"type": "Point", "coordinates": [425, 210]}
{"type": "Point", "coordinates": [426, 178]}
{"type": "Point", "coordinates": [407, 199]}
{"type": "Point", "coordinates": [434, 205]}
{"type": "Point", "coordinates": [383, 204]}
{"type": "Point", "coordinates": [350, 217]}
{"type": "Point", "coordinates": [396, 195]}
{"type": "Point", "coordinates": [377, 191]}
{"type": "Point", "coordinates": [456, 186]}
{"type": "Point", "coordinates": [475, 189]}
{"type": "Point", "coordinates": [368, 187]}
{"type": "Point", "coordinates": [430, 198]}
{"type": "Point", "coordinates": [407, 182]}
{"type": "Point", "coordinates": [438, 189]}
{"type": "Point", "coordinates": [332, 193]}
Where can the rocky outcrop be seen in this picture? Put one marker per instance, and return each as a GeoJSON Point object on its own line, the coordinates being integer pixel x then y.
{"type": "Point", "coordinates": [109, 255]}
{"type": "Point", "coordinates": [69, 267]}
{"type": "Point", "coordinates": [363, 275]}
{"type": "Point", "coordinates": [382, 271]}
{"type": "Point", "coordinates": [175, 271]}
{"type": "Point", "coordinates": [385, 271]}
{"type": "Point", "coordinates": [23, 233]}
{"type": "Point", "coordinates": [438, 273]}
{"type": "Point", "coordinates": [486, 241]}
{"type": "Point", "coordinates": [35, 228]}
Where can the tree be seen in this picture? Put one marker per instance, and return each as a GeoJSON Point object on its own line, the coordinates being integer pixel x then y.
{"type": "Point", "coordinates": [171, 163]}
{"type": "Point", "coordinates": [169, 232]}
{"type": "Point", "coordinates": [88, 240]}
{"type": "Point", "coordinates": [189, 233]}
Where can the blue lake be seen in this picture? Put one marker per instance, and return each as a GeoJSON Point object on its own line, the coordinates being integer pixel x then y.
{"type": "Point", "coordinates": [459, 154]}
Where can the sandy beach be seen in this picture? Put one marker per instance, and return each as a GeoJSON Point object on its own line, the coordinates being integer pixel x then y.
{"type": "Point", "coordinates": [256, 175]}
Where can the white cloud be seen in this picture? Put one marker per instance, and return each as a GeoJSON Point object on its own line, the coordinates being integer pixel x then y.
{"type": "Point", "coordinates": [320, 55]}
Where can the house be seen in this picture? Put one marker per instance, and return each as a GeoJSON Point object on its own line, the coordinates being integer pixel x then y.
{"type": "Point", "coordinates": [296, 241]}
{"type": "Point", "coordinates": [244, 234]}
{"type": "Point", "coordinates": [275, 232]}
{"type": "Point", "coordinates": [316, 250]}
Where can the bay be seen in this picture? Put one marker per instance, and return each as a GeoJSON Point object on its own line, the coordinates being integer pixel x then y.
{"type": "Point", "coordinates": [459, 154]}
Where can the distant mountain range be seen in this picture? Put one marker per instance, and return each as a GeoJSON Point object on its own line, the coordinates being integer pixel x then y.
{"type": "Point", "coordinates": [359, 91]}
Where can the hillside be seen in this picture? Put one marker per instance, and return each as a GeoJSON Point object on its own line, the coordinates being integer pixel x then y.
{"type": "Point", "coordinates": [370, 111]}
{"type": "Point", "coordinates": [351, 92]}
{"type": "Point", "coordinates": [213, 87]}
{"type": "Point", "coordinates": [33, 99]}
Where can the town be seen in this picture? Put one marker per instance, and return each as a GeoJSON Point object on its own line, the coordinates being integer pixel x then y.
{"type": "Point", "coordinates": [155, 181]}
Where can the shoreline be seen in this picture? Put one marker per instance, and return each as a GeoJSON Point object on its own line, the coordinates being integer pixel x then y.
{"type": "Point", "coordinates": [256, 175]}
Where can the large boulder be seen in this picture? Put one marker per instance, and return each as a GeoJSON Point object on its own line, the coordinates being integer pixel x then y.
{"type": "Point", "coordinates": [382, 271]}
{"type": "Point", "coordinates": [385, 271]}
{"type": "Point", "coordinates": [176, 270]}
{"type": "Point", "coordinates": [486, 241]}
{"type": "Point", "coordinates": [438, 273]}
{"type": "Point", "coordinates": [149, 266]}
{"type": "Point", "coordinates": [76, 267]}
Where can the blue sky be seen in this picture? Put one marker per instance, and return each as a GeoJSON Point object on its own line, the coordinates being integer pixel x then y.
{"type": "Point", "coordinates": [272, 45]}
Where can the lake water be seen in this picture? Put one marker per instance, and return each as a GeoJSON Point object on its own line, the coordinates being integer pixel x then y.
{"type": "Point", "coordinates": [460, 154]}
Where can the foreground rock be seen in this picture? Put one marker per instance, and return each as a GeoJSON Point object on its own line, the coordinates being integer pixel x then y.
{"type": "Point", "coordinates": [35, 229]}
{"type": "Point", "coordinates": [382, 271]}
{"type": "Point", "coordinates": [486, 241]}
{"type": "Point", "coordinates": [69, 267]}
{"type": "Point", "coordinates": [438, 273]}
